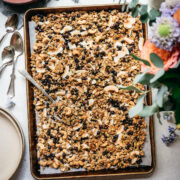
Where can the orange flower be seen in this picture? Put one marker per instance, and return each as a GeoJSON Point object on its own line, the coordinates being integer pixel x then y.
{"type": "Point", "coordinates": [170, 58]}
{"type": "Point", "coordinates": [177, 16]}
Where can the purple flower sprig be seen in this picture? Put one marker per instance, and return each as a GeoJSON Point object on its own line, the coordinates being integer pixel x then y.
{"type": "Point", "coordinates": [167, 140]}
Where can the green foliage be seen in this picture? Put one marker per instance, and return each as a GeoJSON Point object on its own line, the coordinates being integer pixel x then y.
{"type": "Point", "coordinates": [177, 112]}
{"type": "Point", "coordinates": [149, 110]}
{"type": "Point", "coordinates": [124, 6]}
{"type": "Point", "coordinates": [145, 16]}
{"type": "Point", "coordinates": [172, 80]}
{"type": "Point", "coordinates": [165, 82]}
{"type": "Point", "coordinates": [159, 74]}
{"type": "Point", "coordinates": [143, 9]}
{"type": "Point", "coordinates": [153, 14]}
{"type": "Point", "coordinates": [135, 12]}
{"type": "Point", "coordinates": [168, 83]}
{"type": "Point", "coordinates": [138, 108]}
{"type": "Point", "coordinates": [140, 77]}
{"type": "Point", "coordinates": [133, 4]}
{"type": "Point", "coordinates": [130, 88]}
{"type": "Point", "coordinates": [139, 59]}
{"type": "Point", "coordinates": [156, 60]}
{"type": "Point", "coordinates": [160, 95]}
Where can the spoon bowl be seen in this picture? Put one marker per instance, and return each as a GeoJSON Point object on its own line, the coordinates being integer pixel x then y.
{"type": "Point", "coordinates": [8, 54]}
{"type": "Point", "coordinates": [7, 57]}
{"type": "Point", "coordinates": [17, 43]}
{"type": "Point", "coordinates": [11, 25]}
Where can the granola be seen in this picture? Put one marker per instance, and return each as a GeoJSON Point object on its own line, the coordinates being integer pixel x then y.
{"type": "Point", "coordinates": [80, 58]}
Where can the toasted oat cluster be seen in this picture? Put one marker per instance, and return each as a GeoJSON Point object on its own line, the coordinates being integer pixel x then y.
{"type": "Point", "coordinates": [80, 59]}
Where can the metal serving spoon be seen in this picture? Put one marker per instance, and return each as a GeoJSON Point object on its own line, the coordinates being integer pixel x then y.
{"type": "Point", "coordinates": [11, 25]}
{"type": "Point", "coordinates": [28, 76]}
{"type": "Point", "coordinates": [17, 43]}
{"type": "Point", "coordinates": [7, 57]}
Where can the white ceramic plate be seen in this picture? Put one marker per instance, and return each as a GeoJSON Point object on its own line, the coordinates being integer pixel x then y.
{"type": "Point", "coordinates": [11, 144]}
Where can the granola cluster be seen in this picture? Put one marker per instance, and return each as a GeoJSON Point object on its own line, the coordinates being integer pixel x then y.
{"type": "Point", "coordinates": [80, 58]}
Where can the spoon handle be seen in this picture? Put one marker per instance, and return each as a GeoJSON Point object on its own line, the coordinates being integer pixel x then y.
{"type": "Point", "coordinates": [11, 91]}
{"type": "Point", "coordinates": [4, 66]}
{"type": "Point", "coordinates": [28, 76]}
{"type": "Point", "coordinates": [3, 37]}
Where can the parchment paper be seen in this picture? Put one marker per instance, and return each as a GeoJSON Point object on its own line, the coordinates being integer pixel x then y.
{"type": "Point", "coordinates": [146, 160]}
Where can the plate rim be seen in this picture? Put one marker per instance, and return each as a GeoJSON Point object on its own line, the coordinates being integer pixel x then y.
{"type": "Point", "coordinates": [18, 128]}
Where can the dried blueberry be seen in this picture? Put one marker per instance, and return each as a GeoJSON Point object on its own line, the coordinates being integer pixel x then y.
{"type": "Point", "coordinates": [130, 132]}
{"type": "Point", "coordinates": [128, 146]}
{"type": "Point", "coordinates": [115, 138]}
{"type": "Point", "coordinates": [105, 152]}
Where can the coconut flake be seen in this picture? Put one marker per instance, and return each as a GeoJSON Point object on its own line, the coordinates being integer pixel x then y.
{"type": "Point", "coordinates": [129, 22]}
{"type": "Point", "coordinates": [56, 52]}
{"type": "Point", "coordinates": [40, 70]}
{"type": "Point", "coordinates": [75, 32]}
{"type": "Point", "coordinates": [91, 102]}
{"type": "Point", "coordinates": [121, 73]}
{"type": "Point", "coordinates": [119, 133]}
{"type": "Point", "coordinates": [66, 29]}
{"type": "Point", "coordinates": [93, 81]}
{"type": "Point", "coordinates": [66, 72]}
{"type": "Point", "coordinates": [128, 40]}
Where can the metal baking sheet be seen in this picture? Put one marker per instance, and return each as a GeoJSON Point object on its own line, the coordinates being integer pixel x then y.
{"type": "Point", "coordinates": [148, 161]}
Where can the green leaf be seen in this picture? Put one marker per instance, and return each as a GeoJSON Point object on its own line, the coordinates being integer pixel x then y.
{"type": "Point", "coordinates": [155, 84]}
{"type": "Point", "coordinates": [144, 18]}
{"type": "Point", "coordinates": [156, 60]}
{"type": "Point", "coordinates": [143, 9]}
{"type": "Point", "coordinates": [129, 88]}
{"type": "Point", "coordinates": [148, 110]}
{"type": "Point", "coordinates": [151, 22]}
{"type": "Point", "coordinates": [159, 117]}
{"type": "Point", "coordinates": [160, 95]}
{"type": "Point", "coordinates": [168, 105]}
{"type": "Point", "coordinates": [142, 60]}
{"type": "Point", "coordinates": [133, 4]}
{"type": "Point", "coordinates": [177, 113]}
{"type": "Point", "coordinates": [153, 14]}
{"type": "Point", "coordinates": [135, 12]}
{"type": "Point", "coordinates": [139, 77]}
{"type": "Point", "coordinates": [176, 93]}
{"type": "Point", "coordinates": [146, 79]}
{"type": "Point", "coordinates": [138, 108]}
{"type": "Point", "coordinates": [124, 6]}
{"type": "Point", "coordinates": [159, 74]}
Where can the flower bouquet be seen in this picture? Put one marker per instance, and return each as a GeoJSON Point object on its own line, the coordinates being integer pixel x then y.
{"type": "Point", "coordinates": [160, 59]}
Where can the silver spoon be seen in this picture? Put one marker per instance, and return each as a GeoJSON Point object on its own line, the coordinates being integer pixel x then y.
{"type": "Point", "coordinates": [11, 25]}
{"type": "Point", "coordinates": [7, 57]}
{"type": "Point", "coordinates": [17, 43]}
{"type": "Point", "coordinates": [28, 76]}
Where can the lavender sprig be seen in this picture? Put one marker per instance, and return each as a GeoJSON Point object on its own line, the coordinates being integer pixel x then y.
{"type": "Point", "coordinates": [171, 137]}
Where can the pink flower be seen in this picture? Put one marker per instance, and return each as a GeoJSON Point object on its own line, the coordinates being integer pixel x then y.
{"type": "Point", "coordinates": [170, 58]}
